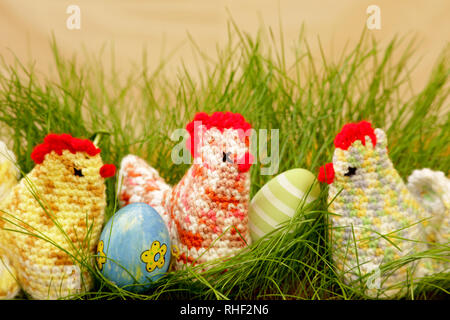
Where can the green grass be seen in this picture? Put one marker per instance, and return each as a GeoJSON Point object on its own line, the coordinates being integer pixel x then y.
{"type": "Point", "coordinates": [309, 101]}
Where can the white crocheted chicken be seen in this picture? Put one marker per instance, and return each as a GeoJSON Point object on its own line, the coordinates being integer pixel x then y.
{"type": "Point", "coordinates": [206, 212]}
{"type": "Point", "coordinates": [51, 220]}
{"type": "Point", "coordinates": [377, 220]}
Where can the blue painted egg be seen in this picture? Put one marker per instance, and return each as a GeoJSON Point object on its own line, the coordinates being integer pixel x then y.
{"type": "Point", "coordinates": [134, 248]}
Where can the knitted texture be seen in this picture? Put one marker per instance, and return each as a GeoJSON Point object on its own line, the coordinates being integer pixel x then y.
{"type": "Point", "coordinates": [9, 173]}
{"type": "Point", "coordinates": [50, 250]}
{"type": "Point", "coordinates": [432, 190]}
{"type": "Point", "coordinates": [9, 287]}
{"type": "Point", "coordinates": [377, 219]}
{"type": "Point", "coordinates": [206, 212]}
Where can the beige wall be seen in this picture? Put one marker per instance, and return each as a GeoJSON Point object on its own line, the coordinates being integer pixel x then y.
{"type": "Point", "coordinates": [162, 25]}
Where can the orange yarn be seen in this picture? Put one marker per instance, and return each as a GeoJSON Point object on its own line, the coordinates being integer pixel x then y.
{"type": "Point", "coordinates": [206, 212]}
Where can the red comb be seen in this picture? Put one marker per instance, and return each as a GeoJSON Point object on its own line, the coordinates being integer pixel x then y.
{"type": "Point", "coordinates": [60, 142]}
{"type": "Point", "coordinates": [219, 120]}
{"type": "Point", "coordinates": [352, 132]}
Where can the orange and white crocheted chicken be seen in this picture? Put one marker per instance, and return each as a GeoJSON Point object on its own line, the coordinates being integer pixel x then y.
{"type": "Point", "coordinates": [51, 220]}
{"type": "Point", "coordinates": [206, 212]}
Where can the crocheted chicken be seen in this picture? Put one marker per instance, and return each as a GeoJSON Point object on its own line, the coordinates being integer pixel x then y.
{"type": "Point", "coordinates": [432, 190]}
{"type": "Point", "coordinates": [9, 172]}
{"type": "Point", "coordinates": [376, 219]}
{"type": "Point", "coordinates": [51, 220]}
{"type": "Point", "coordinates": [206, 212]}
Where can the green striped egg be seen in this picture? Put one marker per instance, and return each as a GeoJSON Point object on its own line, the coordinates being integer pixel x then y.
{"type": "Point", "coordinates": [277, 201]}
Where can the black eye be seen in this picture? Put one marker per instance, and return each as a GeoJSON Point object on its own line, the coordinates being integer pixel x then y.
{"type": "Point", "coordinates": [351, 171]}
{"type": "Point", "coordinates": [226, 157]}
{"type": "Point", "coordinates": [78, 172]}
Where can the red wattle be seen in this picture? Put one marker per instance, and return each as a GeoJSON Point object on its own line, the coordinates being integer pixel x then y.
{"type": "Point", "coordinates": [245, 162]}
{"type": "Point", "coordinates": [326, 173]}
{"type": "Point", "coordinates": [108, 170]}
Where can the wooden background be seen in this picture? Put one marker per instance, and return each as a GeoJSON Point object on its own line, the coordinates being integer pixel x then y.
{"type": "Point", "coordinates": [162, 25]}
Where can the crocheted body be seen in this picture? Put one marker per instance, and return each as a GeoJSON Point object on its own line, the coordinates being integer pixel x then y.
{"type": "Point", "coordinates": [9, 287]}
{"type": "Point", "coordinates": [206, 212]}
{"type": "Point", "coordinates": [139, 182]}
{"type": "Point", "coordinates": [50, 249]}
{"type": "Point", "coordinates": [432, 190]}
{"type": "Point", "coordinates": [9, 173]}
{"type": "Point", "coordinates": [209, 210]}
{"type": "Point", "coordinates": [377, 219]}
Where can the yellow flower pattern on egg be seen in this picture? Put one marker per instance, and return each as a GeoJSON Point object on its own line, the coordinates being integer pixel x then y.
{"type": "Point", "coordinates": [148, 256]}
{"type": "Point", "coordinates": [101, 256]}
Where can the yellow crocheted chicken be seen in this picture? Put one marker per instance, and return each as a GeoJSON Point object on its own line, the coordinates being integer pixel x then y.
{"type": "Point", "coordinates": [51, 220]}
{"type": "Point", "coordinates": [9, 173]}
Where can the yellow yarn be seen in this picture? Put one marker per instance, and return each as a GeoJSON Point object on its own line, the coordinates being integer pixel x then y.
{"type": "Point", "coordinates": [52, 248]}
{"type": "Point", "coordinates": [9, 174]}
{"type": "Point", "coordinates": [8, 284]}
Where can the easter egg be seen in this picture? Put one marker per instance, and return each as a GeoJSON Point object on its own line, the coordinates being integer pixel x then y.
{"type": "Point", "coordinates": [278, 200]}
{"type": "Point", "coordinates": [134, 248]}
